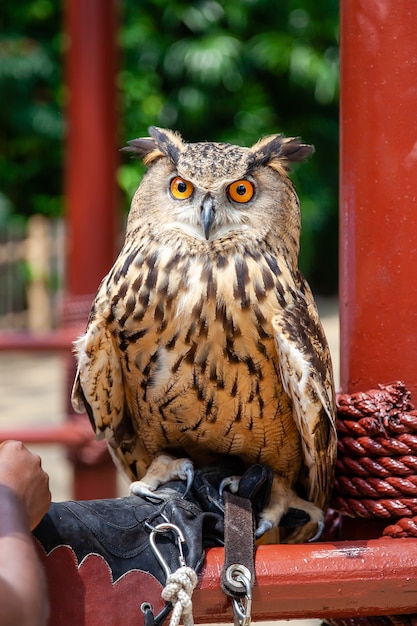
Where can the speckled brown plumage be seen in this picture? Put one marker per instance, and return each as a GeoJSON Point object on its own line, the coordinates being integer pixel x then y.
{"type": "Point", "coordinates": [204, 339]}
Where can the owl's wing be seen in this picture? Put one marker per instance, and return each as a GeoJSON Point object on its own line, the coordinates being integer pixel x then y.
{"type": "Point", "coordinates": [99, 390]}
{"type": "Point", "coordinates": [307, 378]}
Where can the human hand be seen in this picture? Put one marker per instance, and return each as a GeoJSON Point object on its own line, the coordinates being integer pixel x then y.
{"type": "Point", "coordinates": [21, 471]}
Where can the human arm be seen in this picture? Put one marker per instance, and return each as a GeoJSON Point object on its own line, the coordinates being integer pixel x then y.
{"type": "Point", "coordinates": [24, 499]}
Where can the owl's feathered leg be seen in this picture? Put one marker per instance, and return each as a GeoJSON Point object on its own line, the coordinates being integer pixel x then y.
{"type": "Point", "coordinates": [281, 500]}
{"type": "Point", "coordinates": [163, 469]}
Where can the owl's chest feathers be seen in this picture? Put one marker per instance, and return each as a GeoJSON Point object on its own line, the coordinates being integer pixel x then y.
{"type": "Point", "coordinates": [198, 348]}
{"type": "Point", "coordinates": [192, 306]}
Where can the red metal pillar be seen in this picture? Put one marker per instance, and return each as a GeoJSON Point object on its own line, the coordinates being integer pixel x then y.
{"type": "Point", "coordinates": [92, 141]}
{"type": "Point", "coordinates": [378, 218]}
{"type": "Point", "coordinates": [90, 178]}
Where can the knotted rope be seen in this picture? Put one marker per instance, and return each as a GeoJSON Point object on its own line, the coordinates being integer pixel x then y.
{"type": "Point", "coordinates": [376, 471]}
{"type": "Point", "coordinates": [179, 590]}
{"type": "Point", "coordinates": [392, 620]}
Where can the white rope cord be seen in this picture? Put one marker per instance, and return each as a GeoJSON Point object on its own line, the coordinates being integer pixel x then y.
{"type": "Point", "coordinates": [179, 590]}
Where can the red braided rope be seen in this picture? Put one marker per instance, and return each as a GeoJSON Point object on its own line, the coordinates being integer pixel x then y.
{"type": "Point", "coordinates": [388, 446]}
{"type": "Point", "coordinates": [392, 620]}
{"type": "Point", "coordinates": [392, 487]}
{"type": "Point", "coordinates": [406, 527]}
{"type": "Point", "coordinates": [368, 621]}
{"type": "Point", "coordinates": [382, 467]}
{"type": "Point", "coordinates": [376, 474]}
{"type": "Point", "coordinates": [383, 508]}
{"type": "Point", "coordinates": [376, 471]}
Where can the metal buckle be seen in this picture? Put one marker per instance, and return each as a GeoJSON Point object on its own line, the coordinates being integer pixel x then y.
{"type": "Point", "coordinates": [240, 575]}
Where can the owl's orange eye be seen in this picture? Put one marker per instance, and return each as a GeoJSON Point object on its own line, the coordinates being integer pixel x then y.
{"type": "Point", "coordinates": [241, 191]}
{"type": "Point", "coordinates": [181, 189]}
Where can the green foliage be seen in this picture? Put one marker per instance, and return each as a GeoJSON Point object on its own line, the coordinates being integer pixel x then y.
{"type": "Point", "coordinates": [227, 70]}
{"type": "Point", "coordinates": [31, 120]}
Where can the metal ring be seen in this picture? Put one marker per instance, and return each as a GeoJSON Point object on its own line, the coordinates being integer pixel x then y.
{"type": "Point", "coordinates": [239, 576]}
{"type": "Point", "coordinates": [146, 606]}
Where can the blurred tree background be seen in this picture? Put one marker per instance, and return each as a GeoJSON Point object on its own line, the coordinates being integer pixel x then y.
{"type": "Point", "coordinates": [226, 70]}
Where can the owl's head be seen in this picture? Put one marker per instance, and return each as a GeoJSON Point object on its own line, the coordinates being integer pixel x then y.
{"type": "Point", "coordinates": [212, 191]}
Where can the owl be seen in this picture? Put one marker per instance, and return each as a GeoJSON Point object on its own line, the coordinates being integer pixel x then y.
{"type": "Point", "coordinates": [204, 340]}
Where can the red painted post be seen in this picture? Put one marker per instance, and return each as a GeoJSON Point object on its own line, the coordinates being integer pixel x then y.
{"type": "Point", "coordinates": [378, 217]}
{"type": "Point", "coordinates": [90, 179]}
{"type": "Point", "coordinates": [92, 142]}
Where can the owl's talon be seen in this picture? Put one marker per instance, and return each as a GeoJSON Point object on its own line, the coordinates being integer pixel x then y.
{"type": "Point", "coordinates": [187, 473]}
{"type": "Point", "coordinates": [320, 529]}
{"type": "Point", "coordinates": [138, 488]}
{"type": "Point", "coordinates": [231, 483]}
{"type": "Point", "coordinates": [263, 527]}
{"type": "Point", "coordinates": [162, 470]}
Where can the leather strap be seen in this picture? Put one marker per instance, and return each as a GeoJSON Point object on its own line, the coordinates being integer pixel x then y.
{"type": "Point", "coordinates": [239, 541]}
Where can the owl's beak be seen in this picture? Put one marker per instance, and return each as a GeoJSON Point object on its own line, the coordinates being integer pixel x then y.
{"type": "Point", "coordinates": [207, 214]}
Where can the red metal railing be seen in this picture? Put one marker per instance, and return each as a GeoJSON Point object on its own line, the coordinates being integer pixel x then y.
{"type": "Point", "coordinates": [322, 581]}
{"type": "Point", "coordinates": [94, 475]}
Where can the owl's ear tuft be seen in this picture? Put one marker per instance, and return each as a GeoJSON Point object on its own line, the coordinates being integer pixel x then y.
{"type": "Point", "coordinates": [280, 152]}
{"type": "Point", "coordinates": [143, 148]}
{"type": "Point", "coordinates": [169, 142]}
{"type": "Point", "coordinates": [161, 143]}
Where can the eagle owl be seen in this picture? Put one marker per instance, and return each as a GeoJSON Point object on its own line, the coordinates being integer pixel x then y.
{"type": "Point", "coordinates": [204, 340]}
